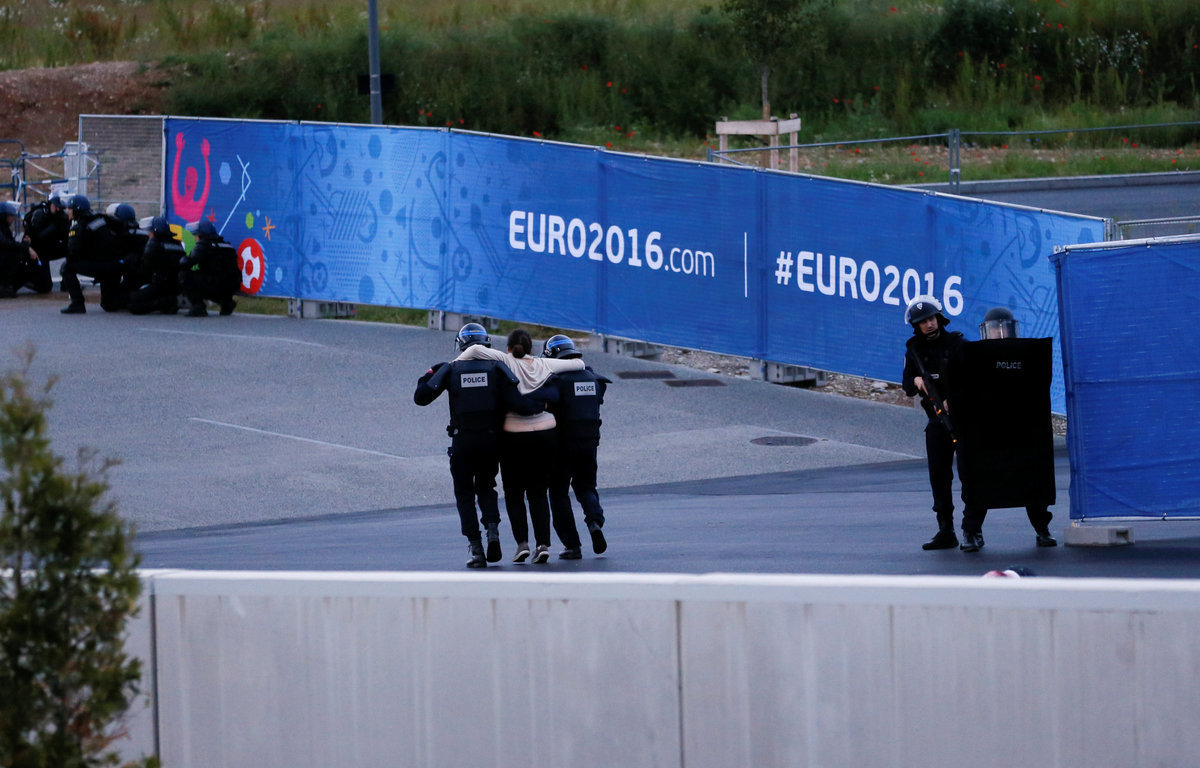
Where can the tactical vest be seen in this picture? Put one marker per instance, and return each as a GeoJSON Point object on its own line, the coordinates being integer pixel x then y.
{"type": "Point", "coordinates": [580, 393]}
{"type": "Point", "coordinates": [474, 389]}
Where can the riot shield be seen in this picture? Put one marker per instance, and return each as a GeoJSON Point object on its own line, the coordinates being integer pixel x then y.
{"type": "Point", "coordinates": [1002, 416]}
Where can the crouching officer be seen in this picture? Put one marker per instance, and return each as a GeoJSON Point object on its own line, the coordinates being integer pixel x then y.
{"type": "Point", "coordinates": [18, 261]}
{"type": "Point", "coordinates": [210, 272]}
{"type": "Point", "coordinates": [160, 272]}
{"type": "Point", "coordinates": [930, 354]}
{"type": "Point", "coordinates": [46, 226]}
{"type": "Point", "coordinates": [580, 395]}
{"type": "Point", "coordinates": [480, 392]}
{"type": "Point", "coordinates": [92, 250]}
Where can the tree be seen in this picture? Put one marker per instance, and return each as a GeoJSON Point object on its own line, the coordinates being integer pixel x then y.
{"type": "Point", "coordinates": [767, 26]}
{"type": "Point", "coordinates": [68, 585]}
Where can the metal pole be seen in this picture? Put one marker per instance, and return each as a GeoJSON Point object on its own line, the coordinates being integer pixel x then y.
{"type": "Point", "coordinates": [373, 46]}
{"type": "Point", "coordinates": [955, 160]}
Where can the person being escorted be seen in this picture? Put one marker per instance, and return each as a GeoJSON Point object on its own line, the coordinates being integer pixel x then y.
{"type": "Point", "coordinates": [930, 353]}
{"type": "Point", "coordinates": [481, 392]}
{"type": "Point", "coordinates": [580, 395]}
{"type": "Point", "coordinates": [18, 261]}
{"type": "Point", "coordinates": [210, 272]}
{"type": "Point", "coordinates": [527, 443]}
{"type": "Point", "coordinates": [160, 272]}
{"type": "Point", "coordinates": [92, 250]}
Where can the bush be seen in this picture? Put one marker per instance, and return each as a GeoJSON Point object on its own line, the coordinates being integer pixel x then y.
{"type": "Point", "coordinates": [68, 586]}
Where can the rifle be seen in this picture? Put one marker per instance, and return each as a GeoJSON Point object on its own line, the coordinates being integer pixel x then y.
{"type": "Point", "coordinates": [931, 396]}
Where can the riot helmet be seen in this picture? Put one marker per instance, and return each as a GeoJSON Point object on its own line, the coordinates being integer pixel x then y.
{"type": "Point", "coordinates": [160, 227]}
{"type": "Point", "coordinates": [125, 213]}
{"type": "Point", "coordinates": [206, 231]}
{"type": "Point", "coordinates": [999, 323]}
{"type": "Point", "coordinates": [923, 308]}
{"type": "Point", "coordinates": [80, 204]}
{"type": "Point", "coordinates": [10, 208]}
{"type": "Point", "coordinates": [560, 347]}
{"type": "Point", "coordinates": [472, 333]}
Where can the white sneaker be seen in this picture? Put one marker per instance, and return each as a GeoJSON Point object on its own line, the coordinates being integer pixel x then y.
{"type": "Point", "coordinates": [522, 552]}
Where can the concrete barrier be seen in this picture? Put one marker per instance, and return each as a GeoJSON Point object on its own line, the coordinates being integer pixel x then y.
{"type": "Point", "coordinates": [416, 669]}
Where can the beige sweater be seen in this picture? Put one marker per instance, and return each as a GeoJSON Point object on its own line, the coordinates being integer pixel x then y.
{"type": "Point", "coordinates": [531, 372]}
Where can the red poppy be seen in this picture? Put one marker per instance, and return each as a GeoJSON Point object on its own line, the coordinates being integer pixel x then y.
{"type": "Point", "coordinates": [538, 134]}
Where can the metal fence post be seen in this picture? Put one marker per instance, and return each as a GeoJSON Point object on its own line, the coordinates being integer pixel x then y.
{"type": "Point", "coordinates": [955, 141]}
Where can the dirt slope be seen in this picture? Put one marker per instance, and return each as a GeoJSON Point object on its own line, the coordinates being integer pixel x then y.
{"type": "Point", "coordinates": [41, 107]}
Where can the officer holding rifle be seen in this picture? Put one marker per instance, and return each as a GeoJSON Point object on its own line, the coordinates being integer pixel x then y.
{"type": "Point", "coordinates": [930, 354]}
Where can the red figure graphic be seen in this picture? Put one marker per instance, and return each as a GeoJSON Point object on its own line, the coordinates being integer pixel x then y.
{"type": "Point", "coordinates": [187, 205]}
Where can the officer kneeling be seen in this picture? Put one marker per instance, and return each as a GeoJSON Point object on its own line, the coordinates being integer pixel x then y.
{"type": "Point", "coordinates": [210, 272]}
{"type": "Point", "coordinates": [580, 395]}
{"type": "Point", "coordinates": [480, 393]}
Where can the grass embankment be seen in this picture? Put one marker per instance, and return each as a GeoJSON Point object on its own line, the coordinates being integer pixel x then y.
{"type": "Point", "coordinates": [654, 76]}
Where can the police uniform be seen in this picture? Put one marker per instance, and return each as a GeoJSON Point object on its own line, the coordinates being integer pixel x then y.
{"type": "Point", "coordinates": [160, 272]}
{"type": "Point", "coordinates": [92, 250]}
{"type": "Point", "coordinates": [47, 231]}
{"type": "Point", "coordinates": [938, 356]}
{"type": "Point", "coordinates": [15, 260]}
{"type": "Point", "coordinates": [580, 395]}
{"type": "Point", "coordinates": [480, 392]}
{"type": "Point", "coordinates": [210, 272]}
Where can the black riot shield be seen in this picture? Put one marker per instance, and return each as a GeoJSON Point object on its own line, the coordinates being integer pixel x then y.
{"type": "Point", "coordinates": [1002, 415]}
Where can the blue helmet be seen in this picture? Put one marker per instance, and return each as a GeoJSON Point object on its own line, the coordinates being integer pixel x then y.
{"type": "Point", "coordinates": [160, 227]}
{"type": "Point", "coordinates": [472, 333]}
{"type": "Point", "coordinates": [125, 213]}
{"type": "Point", "coordinates": [205, 230]}
{"type": "Point", "coordinates": [80, 204]}
{"type": "Point", "coordinates": [10, 208]}
{"type": "Point", "coordinates": [560, 347]}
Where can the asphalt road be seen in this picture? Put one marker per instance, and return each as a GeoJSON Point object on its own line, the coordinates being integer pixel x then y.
{"type": "Point", "coordinates": [252, 442]}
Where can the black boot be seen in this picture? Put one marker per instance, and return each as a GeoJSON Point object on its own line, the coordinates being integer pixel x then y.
{"type": "Point", "coordinates": [1044, 539]}
{"type": "Point", "coordinates": [943, 539]}
{"type": "Point", "coordinates": [493, 542]}
{"type": "Point", "coordinates": [477, 559]}
{"type": "Point", "coordinates": [972, 542]}
{"type": "Point", "coordinates": [599, 544]}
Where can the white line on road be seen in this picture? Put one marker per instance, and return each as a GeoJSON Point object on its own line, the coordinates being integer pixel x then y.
{"type": "Point", "coordinates": [234, 336]}
{"type": "Point", "coordinates": [294, 437]}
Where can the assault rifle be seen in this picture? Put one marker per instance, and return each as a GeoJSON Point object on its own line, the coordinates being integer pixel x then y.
{"type": "Point", "coordinates": [930, 395]}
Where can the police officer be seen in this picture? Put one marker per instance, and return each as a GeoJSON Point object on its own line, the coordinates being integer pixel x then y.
{"type": "Point", "coordinates": [580, 395]}
{"type": "Point", "coordinates": [160, 270]}
{"type": "Point", "coordinates": [210, 272]}
{"type": "Point", "coordinates": [480, 392]}
{"type": "Point", "coordinates": [46, 227]}
{"type": "Point", "coordinates": [131, 244]}
{"type": "Point", "coordinates": [92, 250]}
{"type": "Point", "coordinates": [999, 323]}
{"type": "Point", "coordinates": [17, 260]}
{"type": "Point", "coordinates": [929, 355]}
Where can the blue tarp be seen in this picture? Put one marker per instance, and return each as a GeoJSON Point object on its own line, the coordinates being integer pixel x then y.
{"type": "Point", "coordinates": [793, 269]}
{"type": "Point", "coordinates": [1132, 362]}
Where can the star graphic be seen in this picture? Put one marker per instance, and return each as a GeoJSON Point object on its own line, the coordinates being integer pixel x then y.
{"type": "Point", "coordinates": [212, 215]}
{"type": "Point", "coordinates": [268, 227]}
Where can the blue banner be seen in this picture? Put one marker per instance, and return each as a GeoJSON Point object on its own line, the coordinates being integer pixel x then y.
{"type": "Point", "coordinates": [793, 269]}
{"type": "Point", "coordinates": [1133, 378]}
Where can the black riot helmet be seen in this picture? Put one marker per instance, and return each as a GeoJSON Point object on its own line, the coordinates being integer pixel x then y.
{"type": "Point", "coordinates": [472, 333]}
{"type": "Point", "coordinates": [560, 347]}
{"type": "Point", "coordinates": [923, 308]}
{"type": "Point", "coordinates": [998, 323]}
{"type": "Point", "coordinates": [80, 204]}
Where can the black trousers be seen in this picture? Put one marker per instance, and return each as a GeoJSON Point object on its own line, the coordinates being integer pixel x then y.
{"type": "Point", "coordinates": [525, 462]}
{"type": "Point", "coordinates": [941, 452]}
{"type": "Point", "coordinates": [107, 273]}
{"type": "Point", "coordinates": [574, 467]}
{"type": "Point", "coordinates": [474, 462]}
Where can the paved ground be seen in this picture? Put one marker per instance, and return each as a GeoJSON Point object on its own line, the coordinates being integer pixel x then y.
{"type": "Point", "coordinates": [272, 443]}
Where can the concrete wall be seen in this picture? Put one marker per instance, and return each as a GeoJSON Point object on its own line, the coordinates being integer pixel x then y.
{"type": "Point", "coordinates": [414, 669]}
